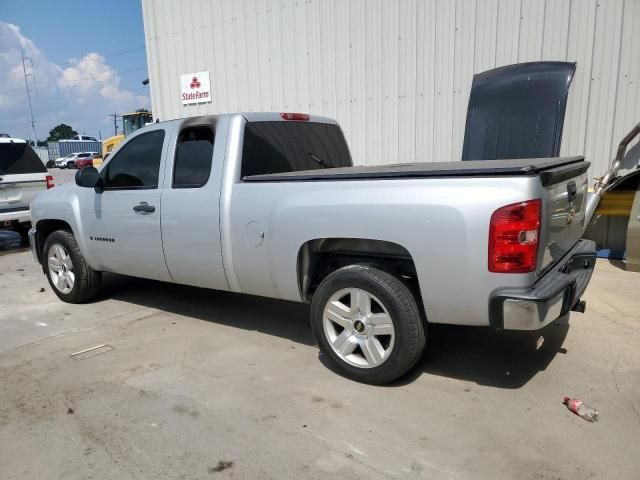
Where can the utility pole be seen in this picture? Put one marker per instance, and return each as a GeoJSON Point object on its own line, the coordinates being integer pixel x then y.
{"type": "Point", "coordinates": [26, 84]}
{"type": "Point", "coordinates": [115, 123]}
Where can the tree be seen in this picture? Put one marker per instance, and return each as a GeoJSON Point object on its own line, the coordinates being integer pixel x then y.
{"type": "Point", "coordinates": [61, 132]}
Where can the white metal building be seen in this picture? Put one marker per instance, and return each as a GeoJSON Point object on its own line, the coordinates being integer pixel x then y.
{"type": "Point", "coordinates": [396, 73]}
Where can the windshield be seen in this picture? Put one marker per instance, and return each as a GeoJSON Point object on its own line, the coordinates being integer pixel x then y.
{"type": "Point", "coordinates": [19, 158]}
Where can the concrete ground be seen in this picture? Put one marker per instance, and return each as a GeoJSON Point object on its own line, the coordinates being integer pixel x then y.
{"type": "Point", "coordinates": [62, 175]}
{"type": "Point", "coordinates": [197, 384]}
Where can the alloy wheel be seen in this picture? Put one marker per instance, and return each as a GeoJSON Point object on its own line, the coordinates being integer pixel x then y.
{"type": "Point", "coordinates": [61, 268]}
{"type": "Point", "coordinates": [358, 327]}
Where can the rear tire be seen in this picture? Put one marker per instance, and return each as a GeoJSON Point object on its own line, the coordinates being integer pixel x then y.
{"type": "Point", "coordinates": [69, 275]}
{"type": "Point", "coordinates": [368, 324]}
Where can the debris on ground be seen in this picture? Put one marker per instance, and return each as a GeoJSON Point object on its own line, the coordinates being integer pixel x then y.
{"type": "Point", "coordinates": [41, 290]}
{"type": "Point", "coordinates": [222, 465]}
{"type": "Point", "coordinates": [581, 409]}
{"type": "Point", "coordinates": [70, 411]}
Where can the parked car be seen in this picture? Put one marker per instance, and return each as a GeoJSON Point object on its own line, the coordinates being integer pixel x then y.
{"type": "Point", "coordinates": [271, 205]}
{"type": "Point", "coordinates": [70, 161]}
{"type": "Point", "coordinates": [67, 161]}
{"type": "Point", "coordinates": [22, 176]}
{"type": "Point", "coordinates": [84, 160]}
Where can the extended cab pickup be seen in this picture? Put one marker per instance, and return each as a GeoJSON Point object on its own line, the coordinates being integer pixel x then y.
{"type": "Point", "coordinates": [269, 204]}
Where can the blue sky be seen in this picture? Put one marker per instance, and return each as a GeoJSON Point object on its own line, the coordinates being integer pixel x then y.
{"type": "Point", "coordinates": [89, 61]}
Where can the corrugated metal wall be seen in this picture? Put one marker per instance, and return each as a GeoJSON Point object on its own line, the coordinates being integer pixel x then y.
{"type": "Point", "coordinates": [396, 74]}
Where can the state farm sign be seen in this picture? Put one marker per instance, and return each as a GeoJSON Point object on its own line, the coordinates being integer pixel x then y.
{"type": "Point", "coordinates": [195, 88]}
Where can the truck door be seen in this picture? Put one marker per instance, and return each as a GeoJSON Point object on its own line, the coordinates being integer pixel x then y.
{"type": "Point", "coordinates": [190, 205]}
{"type": "Point", "coordinates": [123, 222]}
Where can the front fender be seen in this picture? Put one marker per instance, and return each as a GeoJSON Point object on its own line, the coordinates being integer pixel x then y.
{"type": "Point", "coordinates": [62, 203]}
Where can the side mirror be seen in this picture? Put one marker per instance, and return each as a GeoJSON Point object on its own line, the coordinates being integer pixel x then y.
{"type": "Point", "coordinates": [89, 177]}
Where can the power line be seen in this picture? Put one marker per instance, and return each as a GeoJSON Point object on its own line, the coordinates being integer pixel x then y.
{"type": "Point", "coordinates": [89, 96]}
{"type": "Point", "coordinates": [10, 90]}
{"type": "Point", "coordinates": [123, 52]}
{"type": "Point", "coordinates": [137, 69]}
{"type": "Point", "coordinates": [108, 55]}
{"type": "Point", "coordinates": [92, 77]}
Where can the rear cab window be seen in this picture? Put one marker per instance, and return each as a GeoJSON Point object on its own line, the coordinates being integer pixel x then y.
{"type": "Point", "coordinates": [18, 157]}
{"type": "Point", "coordinates": [194, 155]}
{"type": "Point", "coordinates": [292, 146]}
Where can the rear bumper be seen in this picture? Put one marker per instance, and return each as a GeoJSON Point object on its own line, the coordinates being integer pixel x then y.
{"type": "Point", "coordinates": [552, 296]}
{"type": "Point", "coordinates": [16, 214]}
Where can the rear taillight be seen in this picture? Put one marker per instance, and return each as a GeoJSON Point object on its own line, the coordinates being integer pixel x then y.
{"type": "Point", "coordinates": [514, 234]}
{"type": "Point", "coordinates": [301, 117]}
{"type": "Point", "coordinates": [50, 183]}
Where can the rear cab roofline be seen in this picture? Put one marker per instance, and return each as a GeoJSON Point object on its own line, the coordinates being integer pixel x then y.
{"type": "Point", "coordinates": [277, 117]}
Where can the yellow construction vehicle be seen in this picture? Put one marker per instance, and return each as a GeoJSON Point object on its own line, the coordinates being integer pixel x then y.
{"type": "Point", "coordinates": [130, 123]}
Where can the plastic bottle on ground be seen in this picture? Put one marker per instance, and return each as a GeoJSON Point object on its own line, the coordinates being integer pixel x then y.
{"type": "Point", "coordinates": [581, 409]}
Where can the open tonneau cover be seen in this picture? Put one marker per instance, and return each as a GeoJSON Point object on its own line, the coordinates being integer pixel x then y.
{"type": "Point", "coordinates": [550, 170]}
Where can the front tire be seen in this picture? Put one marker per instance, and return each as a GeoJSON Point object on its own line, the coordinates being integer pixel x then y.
{"type": "Point", "coordinates": [69, 275]}
{"type": "Point", "coordinates": [368, 324]}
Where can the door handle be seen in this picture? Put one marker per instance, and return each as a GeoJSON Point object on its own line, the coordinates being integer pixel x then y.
{"type": "Point", "coordinates": [143, 208]}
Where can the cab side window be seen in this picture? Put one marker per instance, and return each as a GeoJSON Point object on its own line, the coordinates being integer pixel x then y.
{"type": "Point", "coordinates": [137, 163]}
{"type": "Point", "coordinates": [194, 155]}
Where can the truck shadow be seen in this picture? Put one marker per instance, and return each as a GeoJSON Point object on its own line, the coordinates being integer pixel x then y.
{"type": "Point", "coordinates": [268, 316]}
{"type": "Point", "coordinates": [9, 240]}
{"type": "Point", "coordinates": [500, 359]}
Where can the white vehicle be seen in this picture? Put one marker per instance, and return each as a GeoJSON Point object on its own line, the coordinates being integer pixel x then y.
{"type": "Point", "coordinates": [22, 177]}
{"type": "Point", "coordinates": [81, 138]}
{"type": "Point", "coordinates": [62, 162]}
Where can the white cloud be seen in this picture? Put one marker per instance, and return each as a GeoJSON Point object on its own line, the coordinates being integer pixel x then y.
{"type": "Point", "coordinates": [12, 43]}
{"type": "Point", "coordinates": [92, 76]}
{"type": "Point", "coordinates": [80, 93]}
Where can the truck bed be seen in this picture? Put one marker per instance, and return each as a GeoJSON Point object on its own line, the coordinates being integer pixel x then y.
{"type": "Point", "coordinates": [550, 170]}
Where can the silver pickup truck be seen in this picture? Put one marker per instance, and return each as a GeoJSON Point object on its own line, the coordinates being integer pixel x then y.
{"type": "Point", "coordinates": [269, 204]}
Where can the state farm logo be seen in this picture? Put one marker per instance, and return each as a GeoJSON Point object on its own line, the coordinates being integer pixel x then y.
{"type": "Point", "coordinates": [195, 87]}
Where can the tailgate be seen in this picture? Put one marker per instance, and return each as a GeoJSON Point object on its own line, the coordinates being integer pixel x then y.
{"type": "Point", "coordinates": [563, 216]}
{"type": "Point", "coordinates": [17, 191]}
